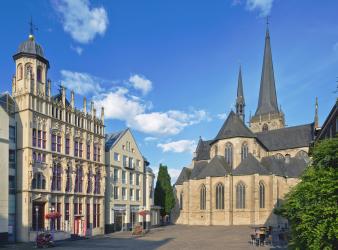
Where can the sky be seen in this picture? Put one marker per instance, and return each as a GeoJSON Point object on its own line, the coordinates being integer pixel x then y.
{"type": "Point", "coordinates": [168, 69]}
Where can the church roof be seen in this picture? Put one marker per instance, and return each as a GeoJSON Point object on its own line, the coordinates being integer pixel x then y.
{"type": "Point", "coordinates": [202, 150]}
{"type": "Point", "coordinates": [267, 102]}
{"type": "Point", "coordinates": [294, 167]}
{"type": "Point", "coordinates": [284, 138]}
{"type": "Point", "coordinates": [234, 127]}
{"type": "Point", "coordinates": [58, 98]}
{"type": "Point", "coordinates": [184, 176]}
{"type": "Point", "coordinates": [198, 167]}
{"type": "Point", "coordinates": [215, 168]}
{"type": "Point", "coordinates": [250, 165]}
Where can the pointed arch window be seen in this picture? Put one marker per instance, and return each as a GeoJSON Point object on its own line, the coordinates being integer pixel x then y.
{"type": "Point", "coordinates": [181, 200]}
{"type": "Point", "coordinates": [219, 196]}
{"type": "Point", "coordinates": [39, 74]}
{"type": "Point", "coordinates": [244, 150]}
{"type": "Point", "coordinates": [240, 195]}
{"type": "Point", "coordinates": [19, 72]}
{"type": "Point", "coordinates": [229, 154]}
{"type": "Point", "coordinates": [261, 195]}
{"type": "Point", "coordinates": [78, 179]}
{"type": "Point", "coordinates": [28, 71]}
{"type": "Point", "coordinates": [56, 178]}
{"type": "Point", "coordinates": [265, 127]}
{"type": "Point", "coordinates": [39, 181]}
{"type": "Point", "coordinates": [203, 193]}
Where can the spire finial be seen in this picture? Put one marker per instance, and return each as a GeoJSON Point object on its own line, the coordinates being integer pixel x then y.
{"type": "Point", "coordinates": [316, 113]}
{"type": "Point", "coordinates": [267, 27]}
{"type": "Point", "coordinates": [32, 27]}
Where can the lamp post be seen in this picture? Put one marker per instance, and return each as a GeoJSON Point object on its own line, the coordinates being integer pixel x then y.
{"type": "Point", "coordinates": [36, 220]}
{"type": "Point", "coordinates": [52, 210]}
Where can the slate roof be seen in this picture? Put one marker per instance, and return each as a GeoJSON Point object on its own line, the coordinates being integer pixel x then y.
{"type": "Point", "coordinates": [198, 167]}
{"type": "Point", "coordinates": [250, 165]}
{"type": "Point", "coordinates": [215, 168]}
{"type": "Point", "coordinates": [112, 138]}
{"type": "Point", "coordinates": [184, 176]}
{"type": "Point", "coordinates": [202, 150]}
{"type": "Point", "coordinates": [30, 47]}
{"type": "Point", "coordinates": [284, 138]}
{"type": "Point", "coordinates": [292, 168]}
{"type": "Point", "coordinates": [234, 127]}
{"type": "Point", "coordinates": [58, 98]}
{"type": "Point", "coordinates": [267, 102]}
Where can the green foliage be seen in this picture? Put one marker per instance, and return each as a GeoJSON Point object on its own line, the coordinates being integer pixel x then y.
{"type": "Point", "coordinates": [311, 206]}
{"type": "Point", "coordinates": [164, 195]}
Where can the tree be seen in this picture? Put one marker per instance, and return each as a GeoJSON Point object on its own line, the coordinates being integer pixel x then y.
{"type": "Point", "coordinates": [164, 195]}
{"type": "Point", "coordinates": [311, 206]}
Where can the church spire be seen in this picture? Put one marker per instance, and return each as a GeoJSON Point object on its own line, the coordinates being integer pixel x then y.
{"type": "Point", "coordinates": [316, 114]}
{"type": "Point", "coordinates": [240, 103]}
{"type": "Point", "coordinates": [267, 102]}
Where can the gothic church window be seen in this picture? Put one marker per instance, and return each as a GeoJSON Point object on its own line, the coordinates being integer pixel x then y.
{"type": "Point", "coordinates": [240, 195]}
{"type": "Point", "coordinates": [28, 71]}
{"type": "Point", "coordinates": [228, 153]}
{"type": "Point", "coordinates": [265, 127]}
{"type": "Point", "coordinates": [203, 193]}
{"type": "Point", "coordinates": [56, 178]}
{"type": "Point", "coordinates": [244, 150]}
{"type": "Point", "coordinates": [219, 196]}
{"type": "Point", "coordinates": [261, 195]}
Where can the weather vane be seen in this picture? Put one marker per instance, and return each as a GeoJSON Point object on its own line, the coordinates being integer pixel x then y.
{"type": "Point", "coordinates": [32, 27]}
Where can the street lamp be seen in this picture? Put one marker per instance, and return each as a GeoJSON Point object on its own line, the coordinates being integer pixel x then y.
{"type": "Point", "coordinates": [52, 210]}
{"type": "Point", "coordinates": [36, 220]}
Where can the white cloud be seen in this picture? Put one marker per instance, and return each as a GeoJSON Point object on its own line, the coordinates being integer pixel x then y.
{"type": "Point", "coordinates": [171, 122]}
{"type": "Point", "coordinates": [80, 21]}
{"type": "Point", "coordinates": [222, 116]}
{"type": "Point", "coordinates": [81, 83]}
{"type": "Point", "coordinates": [179, 146]}
{"type": "Point", "coordinates": [77, 49]}
{"type": "Point", "coordinates": [119, 105]}
{"type": "Point", "coordinates": [150, 138]}
{"type": "Point", "coordinates": [263, 6]}
{"type": "Point", "coordinates": [140, 83]}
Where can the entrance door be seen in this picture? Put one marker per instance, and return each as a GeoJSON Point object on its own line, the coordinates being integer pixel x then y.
{"type": "Point", "coordinates": [118, 220]}
{"type": "Point", "coordinates": [38, 214]}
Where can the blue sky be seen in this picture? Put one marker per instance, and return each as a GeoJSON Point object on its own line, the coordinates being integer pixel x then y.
{"type": "Point", "coordinates": [168, 69]}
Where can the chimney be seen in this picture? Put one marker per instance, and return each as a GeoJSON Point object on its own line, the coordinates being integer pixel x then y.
{"type": "Point", "coordinates": [72, 99]}
{"type": "Point", "coordinates": [84, 105]}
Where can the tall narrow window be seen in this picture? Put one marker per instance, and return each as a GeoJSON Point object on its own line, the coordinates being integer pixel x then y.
{"type": "Point", "coordinates": [88, 151]}
{"type": "Point", "coordinates": [203, 193]}
{"type": "Point", "coordinates": [67, 146]}
{"type": "Point", "coordinates": [240, 195]}
{"type": "Point", "coordinates": [89, 180]}
{"type": "Point", "coordinates": [34, 138]}
{"type": "Point", "coordinates": [219, 196]}
{"type": "Point", "coordinates": [44, 139]}
{"type": "Point", "coordinates": [59, 143]}
{"type": "Point", "coordinates": [39, 74]}
{"type": "Point", "coordinates": [76, 148]}
{"type": "Point", "coordinates": [244, 150]}
{"type": "Point", "coordinates": [19, 73]}
{"type": "Point", "coordinates": [181, 200]}
{"type": "Point", "coordinates": [229, 154]}
{"type": "Point", "coordinates": [68, 179]}
{"type": "Point", "coordinates": [97, 182]}
{"type": "Point", "coordinates": [88, 215]}
{"type": "Point", "coordinates": [56, 178]}
{"type": "Point", "coordinates": [78, 180]}
{"type": "Point", "coordinates": [80, 149]}
{"type": "Point", "coordinates": [261, 195]}
{"type": "Point", "coordinates": [95, 152]}
{"type": "Point", "coordinates": [39, 139]}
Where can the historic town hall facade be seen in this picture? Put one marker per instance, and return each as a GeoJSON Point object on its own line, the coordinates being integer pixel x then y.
{"type": "Point", "coordinates": [241, 175]}
{"type": "Point", "coordinates": [60, 151]}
